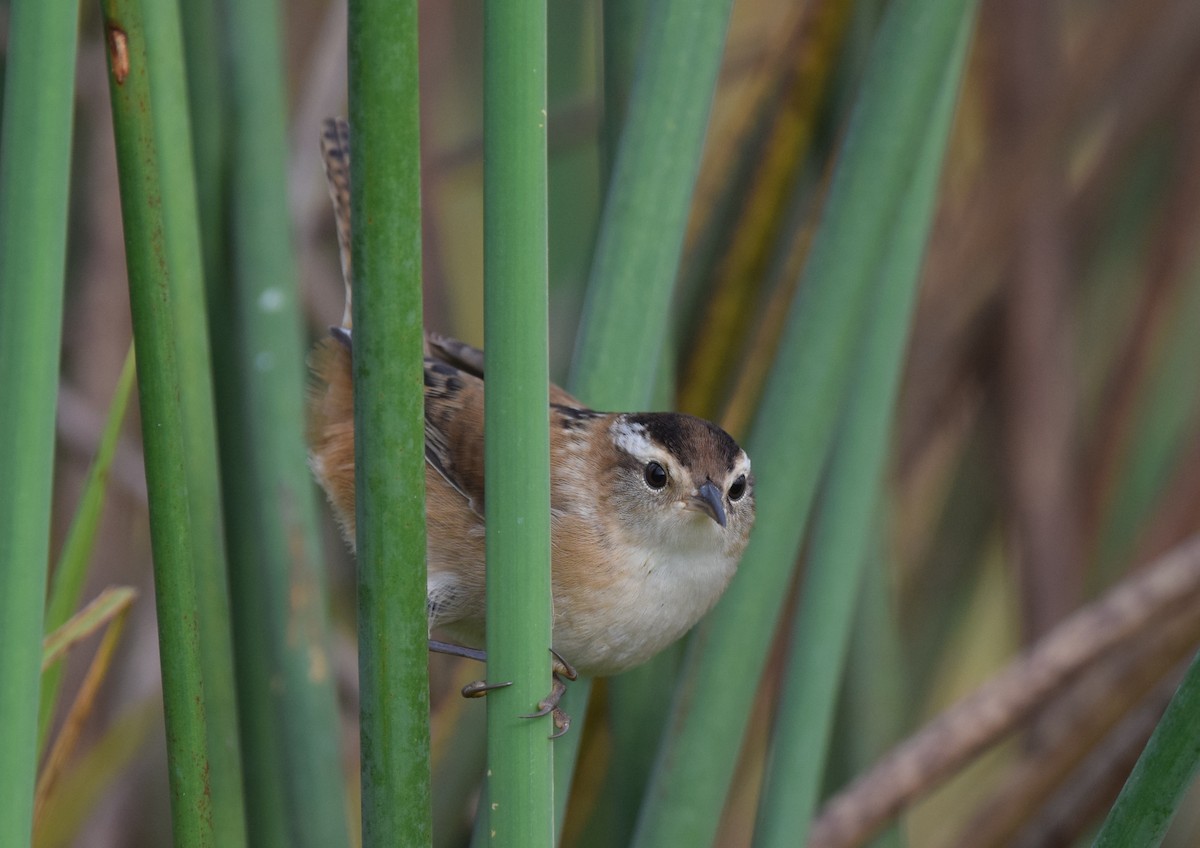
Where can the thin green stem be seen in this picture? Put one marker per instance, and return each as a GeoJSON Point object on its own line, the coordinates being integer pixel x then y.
{"type": "Point", "coordinates": [185, 260]}
{"type": "Point", "coordinates": [843, 530]}
{"type": "Point", "coordinates": [517, 435]}
{"type": "Point", "coordinates": [623, 24]}
{"type": "Point", "coordinates": [389, 423]}
{"type": "Point", "coordinates": [792, 433]}
{"type": "Point", "coordinates": [179, 434]}
{"type": "Point", "coordinates": [207, 94]}
{"type": "Point", "coordinates": [645, 211]}
{"type": "Point", "coordinates": [171, 534]}
{"type": "Point", "coordinates": [280, 599]}
{"type": "Point", "coordinates": [35, 146]}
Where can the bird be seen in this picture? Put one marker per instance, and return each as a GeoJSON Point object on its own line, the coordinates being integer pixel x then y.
{"type": "Point", "coordinates": [650, 511]}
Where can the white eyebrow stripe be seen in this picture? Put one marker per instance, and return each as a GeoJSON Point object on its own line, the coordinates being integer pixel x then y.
{"type": "Point", "coordinates": [632, 439]}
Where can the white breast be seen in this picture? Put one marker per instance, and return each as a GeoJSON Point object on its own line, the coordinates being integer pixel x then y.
{"type": "Point", "coordinates": [657, 596]}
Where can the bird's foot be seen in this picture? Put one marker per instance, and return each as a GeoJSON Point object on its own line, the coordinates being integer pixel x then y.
{"type": "Point", "coordinates": [561, 671]}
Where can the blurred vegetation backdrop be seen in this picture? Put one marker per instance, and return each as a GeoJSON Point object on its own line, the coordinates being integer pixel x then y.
{"type": "Point", "coordinates": [1003, 483]}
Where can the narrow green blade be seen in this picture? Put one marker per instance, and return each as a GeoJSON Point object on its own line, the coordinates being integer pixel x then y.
{"type": "Point", "coordinates": [1164, 771]}
{"type": "Point", "coordinates": [35, 168]}
{"type": "Point", "coordinates": [795, 425]}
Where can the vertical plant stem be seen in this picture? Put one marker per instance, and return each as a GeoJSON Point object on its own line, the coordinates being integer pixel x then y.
{"type": "Point", "coordinates": [166, 289]}
{"type": "Point", "coordinates": [1144, 809]}
{"type": "Point", "coordinates": [790, 439]}
{"type": "Point", "coordinates": [163, 437]}
{"type": "Point", "coordinates": [516, 435]}
{"type": "Point", "coordinates": [35, 146]}
{"type": "Point", "coordinates": [645, 212]}
{"type": "Point", "coordinates": [207, 93]}
{"type": "Point", "coordinates": [844, 527]}
{"type": "Point", "coordinates": [185, 265]}
{"type": "Point", "coordinates": [389, 423]}
{"type": "Point", "coordinates": [280, 599]}
{"type": "Point", "coordinates": [875, 687]}
{"type": "Point", "coordinates": [623, 23]}
{"type": "Point", "coordinates": [267, 821]}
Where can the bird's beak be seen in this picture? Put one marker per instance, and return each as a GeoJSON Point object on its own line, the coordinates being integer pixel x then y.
{"type": "Point", "coordinates": [708, 500]}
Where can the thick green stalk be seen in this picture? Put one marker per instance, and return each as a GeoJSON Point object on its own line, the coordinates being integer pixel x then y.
{"type": "Point", "coordinates": [179, 431]}
{"type": "Point", "coordinates": [35, 168]}
{"type": "Point", "coordinates": [1164, 771]}
{"type": "Point", "coordinates": [868, 196]}
{"type": "Point", "coordinates": [517, 433]}
{"type": "Point", "coordinates": [843, 529]}
{"type": "Point", "coordinates": [280, 600]}
{"type": "Point", "coordinates": [184, 259]}
{"type": "Point", "coordinates": [623, 24]}
{"type": "Point", "coordinates": [66, 588]}
{"type": "Point", "coordinates": [175, 588]}
{"type": "Point", "coordinates": [389, 423]}
{"type": "Point", "coordinates": [255, 613]}
{"type": "Point", "coordinates": [645, 211]}
{"type": "Point", "coordinates": [267, 821]}
{"type": "Point", "coordinates": [207, 83]}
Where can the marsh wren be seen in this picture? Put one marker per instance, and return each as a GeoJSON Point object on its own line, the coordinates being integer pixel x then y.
{"type": "Point", "coordinates": [650, 512]}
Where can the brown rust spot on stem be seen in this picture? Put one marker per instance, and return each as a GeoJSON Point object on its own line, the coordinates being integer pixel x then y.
{"type": "Point", "coordinates": [118, 51]}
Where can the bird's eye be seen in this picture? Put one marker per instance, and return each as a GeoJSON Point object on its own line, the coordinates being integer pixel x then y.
{"type": "Point", "coordinates": [738, 488]}
{"type": "Point", "coordinates": [656, 475]}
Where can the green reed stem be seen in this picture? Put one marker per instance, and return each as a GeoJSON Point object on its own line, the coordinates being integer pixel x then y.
{"type": "Point", "coordinates": [645, 211]}
{"type": "Point", "coordinates": [35, 148]}
{"type": "Point", "coordinates": [844, 527]}
{"type": "Point", "coordinates": [389, 423]}
{"type": "Point", "coordinates": [179, 432]}
{"type": "Point", "coordinates": [517, 436]}
{"type": "Point", "coordinates": [852, 254]}
{"type": "Point", "coordinates": [1167, 767]}
{"type": "Point", "coordinates": [276, 568]}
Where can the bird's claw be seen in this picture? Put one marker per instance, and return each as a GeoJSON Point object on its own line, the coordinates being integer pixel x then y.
{"type": "Point", "coordinates": [561, 668]}
{"type": "Point", "coordinates": [561, 671]}
{"type": "Point", "coordinates": [479, 688]}
{"type": "Point", "coordinates": [550, 703]}
{"type": "Point", "coordinates": [562, 723]}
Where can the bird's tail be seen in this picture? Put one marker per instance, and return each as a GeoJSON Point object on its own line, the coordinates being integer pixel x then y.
{"type": "Point", "coordinates": [335, 152]}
